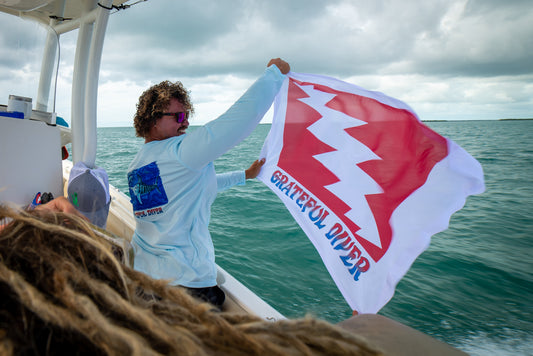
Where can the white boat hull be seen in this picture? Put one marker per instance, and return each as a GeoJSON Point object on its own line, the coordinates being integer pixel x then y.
{"type": "Point", "coordinates": [239, 298]}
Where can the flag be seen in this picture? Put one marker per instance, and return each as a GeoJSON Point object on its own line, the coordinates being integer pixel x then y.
{"type": "Point", "coordinates": [365, 179]}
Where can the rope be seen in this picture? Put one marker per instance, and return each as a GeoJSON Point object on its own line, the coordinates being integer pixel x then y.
{"type": "Point", "coordinates": [121, 6]}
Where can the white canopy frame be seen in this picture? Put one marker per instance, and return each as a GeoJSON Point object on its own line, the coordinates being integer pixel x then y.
{"type": "Point", "coordinates": [62, 16]}
{"type": "Point", "coordinates": [93, 24]}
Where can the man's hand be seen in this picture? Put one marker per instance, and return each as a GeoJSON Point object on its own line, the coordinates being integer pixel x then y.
{"type": "Point", "coordinates": [254, 169]}
{"type": "Point", "coordinates": [283, 66]}
{"type": "Point", "coordinates": [60, 204]}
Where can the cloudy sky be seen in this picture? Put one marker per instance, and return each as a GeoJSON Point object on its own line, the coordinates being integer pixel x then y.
{"type": "Point", "coordinates": [448, 59]}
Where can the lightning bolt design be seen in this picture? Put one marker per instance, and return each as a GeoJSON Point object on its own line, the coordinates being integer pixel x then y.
{"type": "Point", "coordinates": [353, 183]}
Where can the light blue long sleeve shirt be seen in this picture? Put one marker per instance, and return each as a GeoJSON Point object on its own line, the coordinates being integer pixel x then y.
{"type": "Point", "coordinates": [173, 185]}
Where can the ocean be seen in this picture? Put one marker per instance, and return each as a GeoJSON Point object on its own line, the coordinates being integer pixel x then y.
{"type": "Point", "coordinates": [472, 288]}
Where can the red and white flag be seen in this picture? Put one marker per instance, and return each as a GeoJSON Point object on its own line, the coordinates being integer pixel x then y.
{"type": "Point", "coordinates": [365, 179]}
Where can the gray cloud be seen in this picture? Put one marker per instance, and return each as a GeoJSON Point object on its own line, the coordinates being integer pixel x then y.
{"type": "Point", "coordinates": [481, 39]}
{"type": "Point", "coordinates": [453, 49]}
{"type": "Point", "coordinates": [18, 42]}
{"type": "Point", "coordinates": [341, 38]}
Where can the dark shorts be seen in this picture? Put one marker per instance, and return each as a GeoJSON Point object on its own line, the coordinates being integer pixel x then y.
{"type": "Point", "coordinates": [213, 295]}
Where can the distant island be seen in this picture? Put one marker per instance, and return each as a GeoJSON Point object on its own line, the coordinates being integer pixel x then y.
{"type": "Point", "coordinates": [531, 118]}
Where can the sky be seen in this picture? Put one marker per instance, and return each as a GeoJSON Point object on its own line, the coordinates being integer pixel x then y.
{"type": "Point", "coordinates": [447, 59]}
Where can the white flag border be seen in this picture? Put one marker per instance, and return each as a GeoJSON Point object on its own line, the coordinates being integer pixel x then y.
{"type": "Point", "coordinates": [329, 257]}
{"type": "Point", "coordinates": [453, 166]}
{"type": "Point", "coordinates": [342, 86]}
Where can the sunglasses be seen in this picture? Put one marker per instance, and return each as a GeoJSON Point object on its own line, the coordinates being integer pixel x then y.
{"type": "Point", "coordinates": [179, 116]}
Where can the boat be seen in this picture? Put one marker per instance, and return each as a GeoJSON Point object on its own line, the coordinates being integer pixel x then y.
{"type": "Point", "coordinates": [47, 171]}
{"type": "Point", "coordinates": [25, 120]}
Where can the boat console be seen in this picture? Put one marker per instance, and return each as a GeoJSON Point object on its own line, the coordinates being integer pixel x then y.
{"type": "Point", "coordinates": [30, 160]}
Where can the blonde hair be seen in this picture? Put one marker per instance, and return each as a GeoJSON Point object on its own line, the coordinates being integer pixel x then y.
{"type": "Point", "coordinates": [64, 291]}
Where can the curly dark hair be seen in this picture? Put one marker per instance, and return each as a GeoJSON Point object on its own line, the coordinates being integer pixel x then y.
{"type": "Point", "coordinates": [154, 101]}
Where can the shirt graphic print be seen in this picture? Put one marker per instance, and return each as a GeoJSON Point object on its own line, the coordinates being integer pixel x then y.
{"type": "Point", "coordinates": [146, 189]}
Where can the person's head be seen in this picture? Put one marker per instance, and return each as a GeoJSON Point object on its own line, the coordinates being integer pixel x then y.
{"type": "Point", "coordinates": [64, 291]}
{"type": "Point", "coordinates": [155, 102]}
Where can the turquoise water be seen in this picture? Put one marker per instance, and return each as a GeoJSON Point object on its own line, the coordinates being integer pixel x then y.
{"type": "Point", "coordinates": [472, 288]}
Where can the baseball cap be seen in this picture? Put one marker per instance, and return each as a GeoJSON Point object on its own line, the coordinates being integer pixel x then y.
{"type": "Point", "coordinates": [88, 191]}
